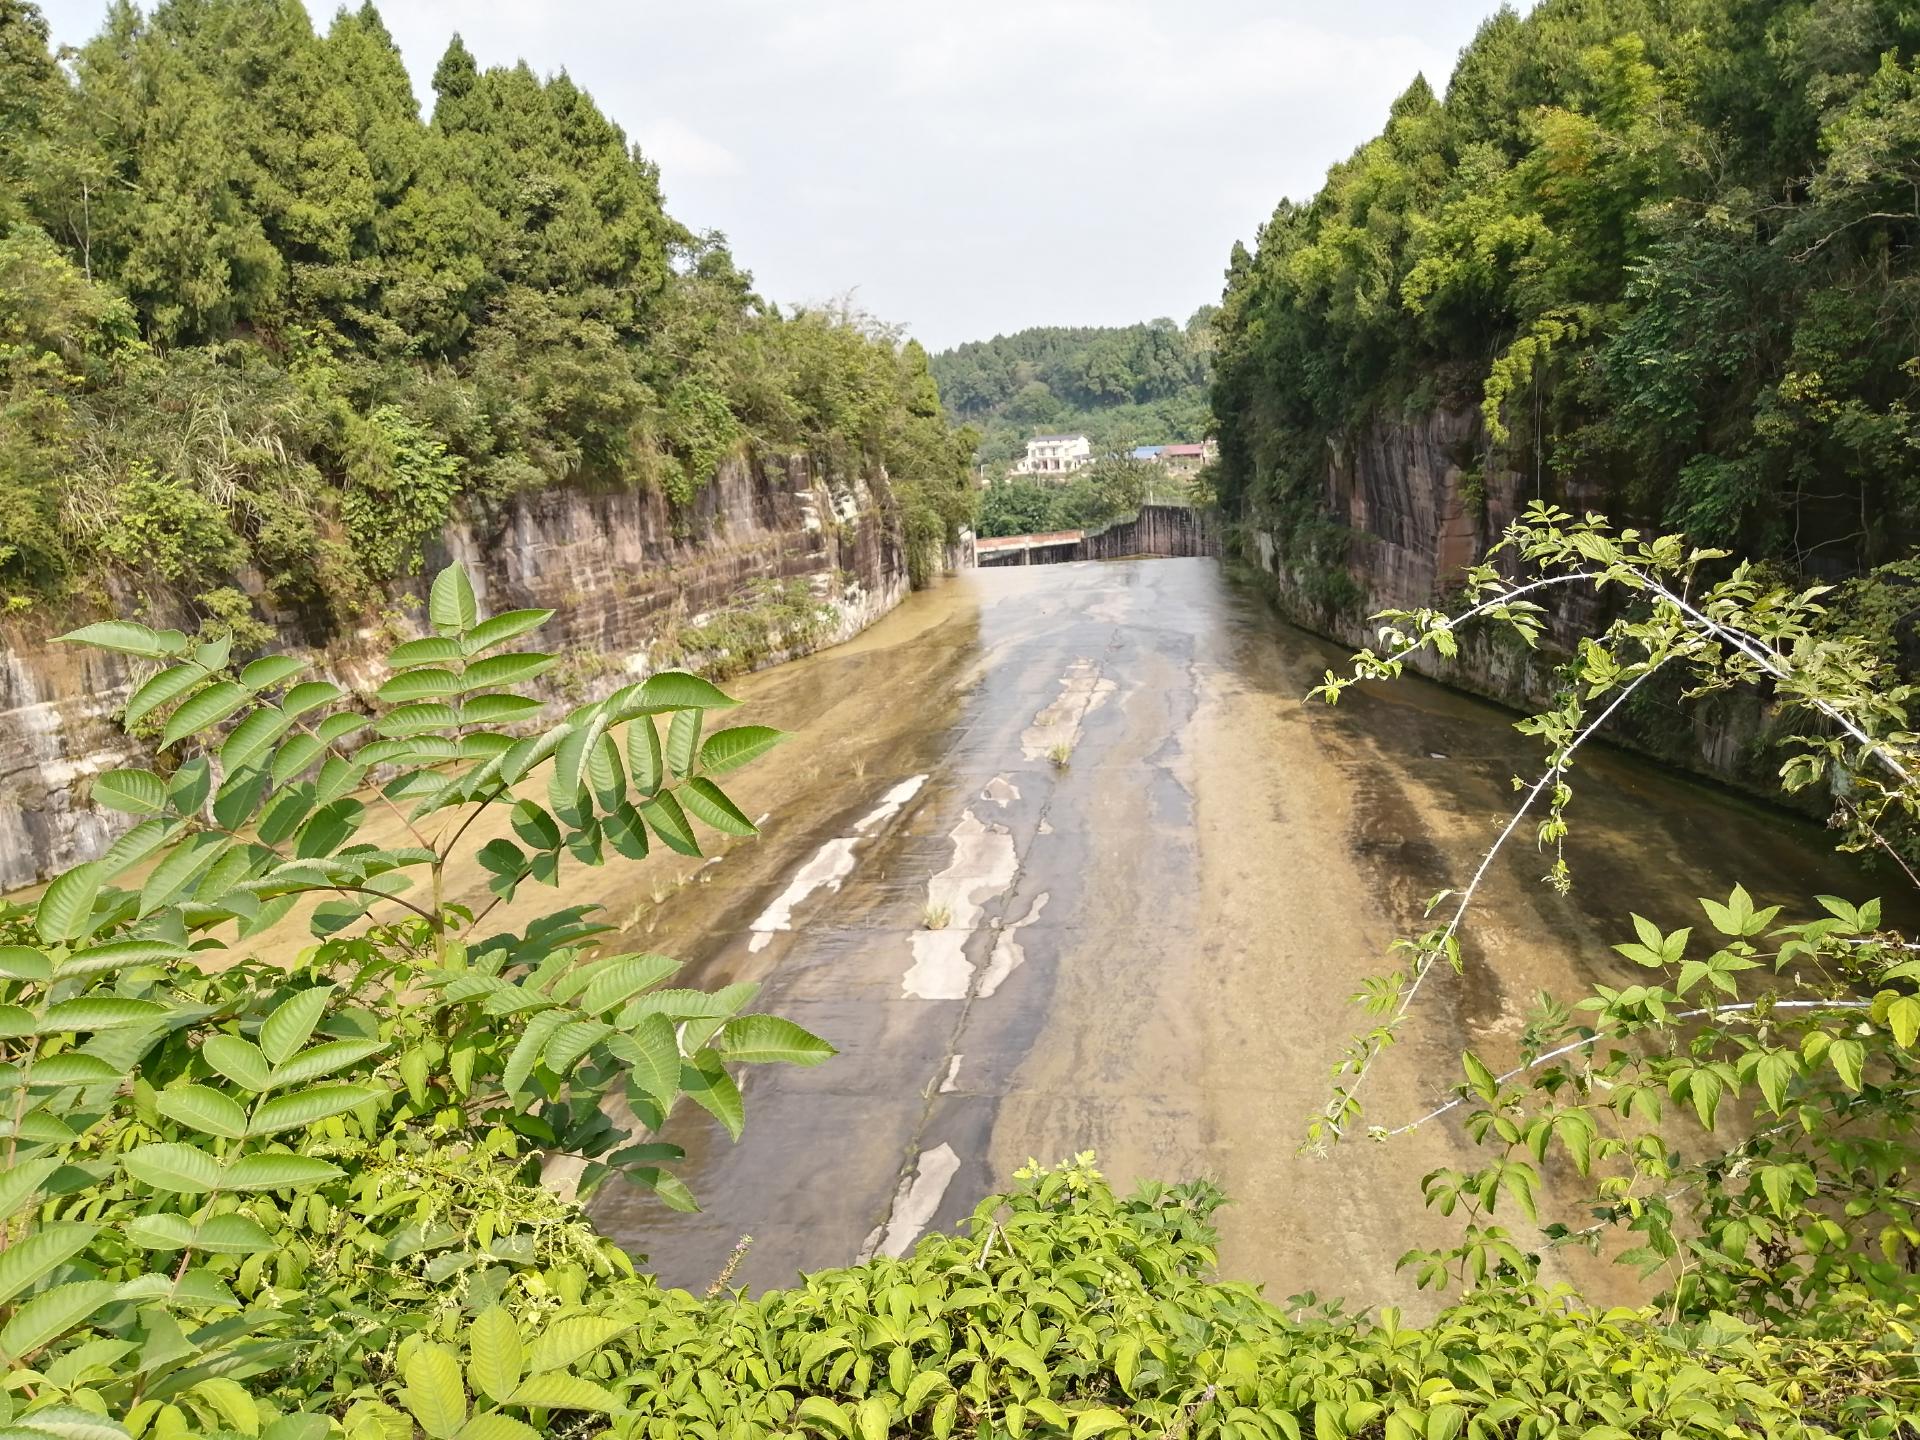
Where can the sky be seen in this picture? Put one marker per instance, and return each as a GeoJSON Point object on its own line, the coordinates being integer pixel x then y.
{"type": "Point", "coordinates": [966, 170]}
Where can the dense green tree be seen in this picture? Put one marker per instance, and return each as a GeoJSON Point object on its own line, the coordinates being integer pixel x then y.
{"type": "Point", "coordinates": [1665, 248]}
{"type": "Point", "coordinates": [255, 306]}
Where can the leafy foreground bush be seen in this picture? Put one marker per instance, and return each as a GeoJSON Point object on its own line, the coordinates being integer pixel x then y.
{"type": "Point", "coordinates": [293, 1203]}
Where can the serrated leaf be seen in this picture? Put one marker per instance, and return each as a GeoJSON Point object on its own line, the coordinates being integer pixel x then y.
{"type": "Point", "coordinates": [127, 638]}
{"type": "Point", "coordinates": [21, 962]}
{"type": "Point", "coordinates": [427, 682]}
{"type": "Point", "coordinates": [619, 978]}
{"type": "Point", "coordinates": [202, 1108]}
{"type": "Point", "coordinates": [33, 1256]}
{"type": "Point", "coordinates": [66, 908]}
{"type": "Point", "coordinates": [238, 1060]}
{"type": "Point", "coordinates": [428, 650]}
{"type": "Point", "coordinates": [507, 625]}
{"type": "Point", "coordinates": [292, 1021]}
{"type": "Point", "coordinates": [706, 1082]}
{"type": "Point", "coordinates": [253, 737]}
{"type": "Point", "coordinates": [733, 747]}
{"type": "Point", "coordinates": [177, 1168]}
{"type": "Point", "coordinates": [170, 684]}
{"type": "Point", "coordinates": [499, 672]}
{"type": "Point", "coordinates": [130, 791]}
{"type": "Point", "coordinates": [270, 670]}
{"type": "Point", "coordinates": [51, 1314]}
{"type": "Point", "coordinates": [683, 738]}
{"type": "Point", "coordinates": [323, 1059]}
{"type": "Point", "coordinates": [768, 1039]}
{"type": "Point", "coordinates": [667, 820]}
{"type": "Point", "coordinates": [451, 606]}
{"type": "Point", "coordinates": [278, 1172]}
{"type": "Point", "coordinates": [706, 802]}
{"type": "Point", "coordinates": [133, 847]}
{"type": "Point", "coordinates": [308, 1107]}
{"type": "Point", "coordinates": [563, 1343]}
{"type": "Point", "coordinates": [496, 1359]}
{"type": "Point", "coordinates": [230, 1234]}
{"type": "Point", "coordinates": [559, 1391]}
{"type": "Point", "coordinates": [680, 689]}
{"type": "Point", "coordinates": [99, 1012]}
{"type": "Point", "coordinates": [205, 709]}
{"type": "Point", "coordinates": [433, 1393]}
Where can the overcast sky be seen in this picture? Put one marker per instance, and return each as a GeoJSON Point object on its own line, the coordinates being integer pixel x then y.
{"type": "Point", "coordinates": [966, 169]}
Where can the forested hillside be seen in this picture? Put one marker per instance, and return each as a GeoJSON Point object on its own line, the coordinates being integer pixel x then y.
{"type": "Point", "coordinates": [256, 314]}
{"type": "Point", "coordinates": [1666, 247]}
{"type": "Point", "coordinates": [1120, 386]}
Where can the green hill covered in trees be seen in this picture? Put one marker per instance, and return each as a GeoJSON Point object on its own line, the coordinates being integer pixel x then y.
{"type": "Point", "coordinates": [1121, 386]}
{"type": "Point", "coordinates": [1666, 246]}
{"type": "Point", "coordinates": [260, 314]}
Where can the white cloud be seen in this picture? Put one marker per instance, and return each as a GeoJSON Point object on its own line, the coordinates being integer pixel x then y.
{"type": "Point", "coordinates": [975, 165]}
{"type": "Point", "coordinates": [682, 152]}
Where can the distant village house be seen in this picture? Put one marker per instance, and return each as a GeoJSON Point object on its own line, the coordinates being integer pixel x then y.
{"type": "Point", "coordinates": [1186, 459]}
{"type": "Point", "coordinates": [1055, 455]}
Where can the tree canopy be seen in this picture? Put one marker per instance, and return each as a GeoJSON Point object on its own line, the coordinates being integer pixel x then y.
{"type": "Point", "coordinates": [259, 309]}
{"type": "Point", "coordinates": [1122, 386]}
{"type": "Point", "coordinates": [1666, 248]}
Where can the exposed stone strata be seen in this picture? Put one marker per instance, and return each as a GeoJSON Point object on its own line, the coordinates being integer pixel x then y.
{"type": "Point", "coordinates": [1417, 508]}
{"type": "Point", "coordinates": [620, 569]}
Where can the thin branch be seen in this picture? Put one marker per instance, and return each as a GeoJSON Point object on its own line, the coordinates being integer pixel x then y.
{"type": "Point", "coordinates": [1425, 965]}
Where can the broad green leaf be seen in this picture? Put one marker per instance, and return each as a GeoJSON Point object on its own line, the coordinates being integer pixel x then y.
{"type": "Point", "coordinates": [21, 1184]}
{"type": "Point", "coordinates": [170, 684]}
{"type": "Point", "coordinates": [645, 764]}
{"type": "Point", "coordinates": [103, 1012]}
{"type": "Point", "coordinates": [766, 1039]}
{"type": "Point", "coordinates": [451, 606]}
{"type": "Point", "coordinates": [133, 847]}
{"type": "Point", "coordinates": [619, 978]}
{"type": "Point", "coordinates": [507, 625]}
{"type": "Point", "coordinates": [231, 1401]}
{"type": "Point", "coordinates": [177, 1168]}
{"type": "Point", "coordinates": [292, 1021]}
{"type": "Point", "coordinates": [495, 1357]}
{"type": "Point", "coordinates": [534, 826]}
{"type": "Point", "coordinates": [252, 737]}
{"type": "Point", "coordinates": [237, 1059]}
{"type": "Point", "coordinates": [1904, 1018]}
{"type": "Point", "coordinates": [683, 738]}
{"type": "Point", "coordinates": [179, 869]}
{"type": "Point", "coordinates": [71, 1067]}
{"type": "Point", "coordinates": [822, 1413]}
{"type": "Point", "coordinates": [21, 962]}
{"type": "Point", "coordinates": [681, 690]}
{"type": "Point", "coordinates": [498, 710]}
{"type": "Point", "coordinates": [433, 1392]}
{"type": "Point", "coordinates": [207, 708]}
{"type": "Point", "coordinates": [495, 1426]}
{"type": "Point", "coordinates": [417, 718]}
{"type": "Point", "coordinates": [306, 1107]}
{"type": "Point", "coordinates": [119, 955]}
{"type": "Point", "coordinates": [667, 820]}
{"type": "Point", "coordinates": [526, 1053]}
{"type": "Point", "coordinates": [651, 1051]}
{"type": "Point", "coordinates": [131, 792]}
{"type": "Point", "coordinates": [33, 1256]}
{"type": "Point", "coordinates": [1097, 1421]}
{"type": "Point", "coordinates": [277, 1172]}
{"type": "Point", "coordinates": [707, 1084]}
{"type": "Point", "coordinates": [65, 1422]}
{"type": "Point", "coordinates": [202, 1108]}
{"type": "Point", "coordinates": [270, 670]}
{"type": "Point", "coordinates": [191, 784]}
{"type": "Point", "coordinates": [498, 672]}
{"type": "Point", "coordinates": [731, 748]}
{"type": "Point", "coordinates": [428, 650]}
{"type": "Point", "coordinates": [51, 1314]}
{"type": "Point", "coordinates": [706, 802]}
{"type": "Point", "coordinates": [323, 1059]}
{"type": "Point", "coordinates": [427, 682]}
{"type": "Point", "coordinates": [559, 1391]}
{"type": "Point", "coordinates": [310, 695]}
{"type": "Point", "coordinates": [66, 908]}
{"type": "Point", "coordinates": [127, 638]}
{"type": "Point", "coordinates": [561, 1344]}
{"type": "Point", "coordinates": [231, 1234]}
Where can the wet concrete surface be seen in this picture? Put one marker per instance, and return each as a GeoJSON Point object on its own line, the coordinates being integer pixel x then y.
{"type": "Point", "coordinates": [1149, 950]}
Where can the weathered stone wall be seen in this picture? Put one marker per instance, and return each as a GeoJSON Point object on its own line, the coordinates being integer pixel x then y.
{"type": "Point", "coordinates": [1167, 531]}
{"type": "Point", "coordinates": [1412, 509]}
{"type": "Point", "coordinates": [623, 573]}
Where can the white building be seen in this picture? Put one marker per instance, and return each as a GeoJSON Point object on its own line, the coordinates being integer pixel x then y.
{"type": "Point", "coordinates": [1055, 455]}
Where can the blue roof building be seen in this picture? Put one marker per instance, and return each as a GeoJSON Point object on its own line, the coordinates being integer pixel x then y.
{"type": "Point", "coordinates": [1146, 452]}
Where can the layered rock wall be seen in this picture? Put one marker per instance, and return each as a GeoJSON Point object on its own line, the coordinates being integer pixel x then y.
{"type": "Point", "coordinates": [625, 575]}
{"type": "Point", "coordinates": [1407, 506]}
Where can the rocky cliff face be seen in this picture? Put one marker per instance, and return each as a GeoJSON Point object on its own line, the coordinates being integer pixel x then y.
{"type": "Point", "coordinates": [1406, 508]}
{"type": "Point", "coordinates": [635, 587]}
